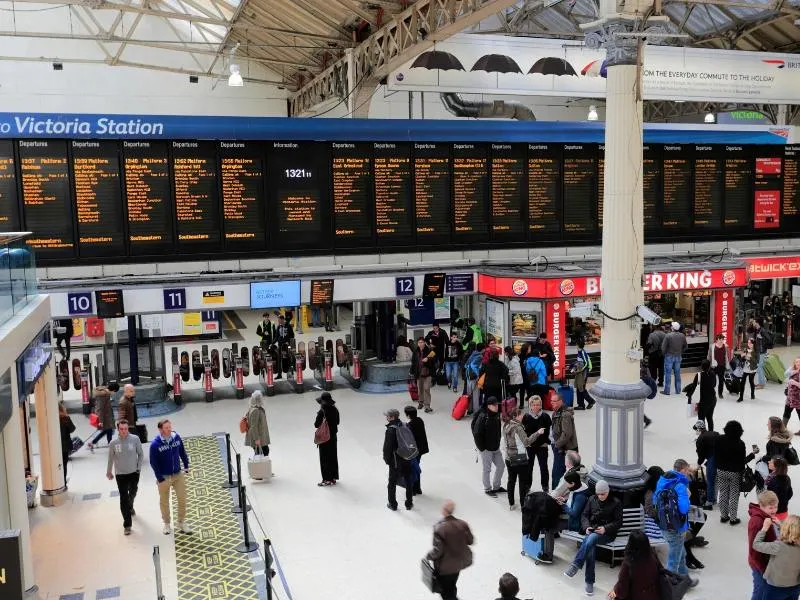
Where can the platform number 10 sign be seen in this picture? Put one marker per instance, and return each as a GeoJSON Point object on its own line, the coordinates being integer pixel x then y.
{"type": "Point", "coordinates": [79, 303]}
{"type": "Point", "coordinates": [175, 299]}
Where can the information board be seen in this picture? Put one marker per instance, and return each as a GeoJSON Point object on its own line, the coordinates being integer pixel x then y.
{"type": "Point", "coordinates": [241, 171]}
{"type": "Point", "coordinates": [767, 188]}
{"type": "Point", "coordinates": [194, 183]}
{"type": "Point", "coordinates": [109, 304]}
{"type": "Point", "coordinates": [393, 194]}
{"type": "Point", "coordinates": [432, 192]}
{"type": "Point", "coordinates": [46, 196]}
{"type": "Point", "coordinates": [148, 197]}
{"type": "Point", "coordinates": [791, 186]}
{"type": "Point", "coordinates": [9, 201]}
{"type": "Point", "coordinates": [321, 292]}
{"type": "Point", "coordinates": [738, 186]}
{"type": "Point", "coordinates": [275, 294]}
{"type": "Point", "coordinates": [351, 194]}
{"type": "Point", "coordinates": [433, 285]}
{"type": "Point", "coordinates": [580, 190]}
{"type": "Point", "coordinates": [508, 167]}
{"type": "Point", "coordinates": [651, 187]}
{"type": "Point", "coordinates": [708, 187]}
{"type": "Point", "coordinates": [98, 198]}
{"type": "Point", "coordinates": [677, 187]}
{"type": "Point", "coordinates": [470, 192]}
{"type": "Point", "coordinates": [544, 191]}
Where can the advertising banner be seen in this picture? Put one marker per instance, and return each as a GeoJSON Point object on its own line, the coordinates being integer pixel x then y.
{"type": "Point", "coordinates": [723, 315]}
{"type": "Point", "coordinates": [556, 312]}
{"type": "Point", "coordinates": [552, 67]}
{"type": "Point", "coordinates": [774, 267]}
{"type": "Point", "coordinates": [495, 321]}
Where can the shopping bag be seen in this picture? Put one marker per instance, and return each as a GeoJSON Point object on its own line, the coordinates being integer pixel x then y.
{"type": "Point", "coordinates": [413, 390]}
{"type": "Point", "coordinates": [259, 467]}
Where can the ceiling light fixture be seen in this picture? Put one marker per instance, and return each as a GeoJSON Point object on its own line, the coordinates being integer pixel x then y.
{"type": "Point", "coordinates": [710, 118]}
{"type": "Point", "coordinates": [235, 78]}
{"type": "Point", "coordinates": [592, 116]}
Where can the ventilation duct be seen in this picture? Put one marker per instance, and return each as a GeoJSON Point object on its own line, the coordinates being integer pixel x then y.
{"type": "Point", "coordinates": [497, 109]}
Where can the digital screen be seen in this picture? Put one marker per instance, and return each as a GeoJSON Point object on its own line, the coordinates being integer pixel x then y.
{"type": "Point", "coordinates": [351, 193]}
{"type": "Point", "coordinates": [508, 186]}
{"type": "Point", "coordinates": [601, 176]}
{"type": "Point", "coordinates": [241, 173]}
{"type": "Point", "coordinates": [321, 292]}
{"type": "Point", "coordinates": [709, 186]}
{"type": "Point", "coordinates": [791, 185]}
{"type": "Point", "coordinates": [580, 189]}
{"type": "Point", "coordinates": [98, 198]}
{"type": "Point", "coordinates": [298, 173]}
{"type": "Point", "coordinates": [470, 192]}
{"type": "Point", "coordinates": [677, 161]}
{"type": "Point", "coordinates": [148, 197]}
{"type": "Point", "coordinates": [392, 185]}
{"type": "Point", "coordinates": [651, 187]}
{"type": "Point", "coordinates": [768, 184]}
{"type": "Point", "coordinates": [109, 304]}
{"type": "Point", "coordinates": [9, 202]}
{"type": "Point", "coordinates": [194, 183]}
{"type": "Point", "coordinates": [738, 183]}
{"type": "Point", "coordinates": [433, 285]}
{"type": "Point", "coordinates": [46, 197]}
{"type": "Point", "coordinates": [432, 191]}
{"type": "Point", "coordinates": [544, 190]}
{"type": "Point", "coordinates": [275, 294]}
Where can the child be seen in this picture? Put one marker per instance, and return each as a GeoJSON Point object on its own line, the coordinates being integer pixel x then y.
{"type": "Point", "coordinates": [783, 571]}
{"type": "Point", "coordinates": [760, 513]}
{"type": "Point", "coordinates": [779, 482]}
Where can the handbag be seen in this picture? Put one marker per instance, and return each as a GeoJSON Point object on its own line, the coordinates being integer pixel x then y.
{"type": "Point", "coordinates": [94, 420]}
{"type": "Point", "coordinates": [672, 585]}
{"type": "Point", "coordinates": [791, 456]}
{"type": "Point", "coordinates": [748, 480]}
{"type": "Point", "coordinates": [520, 458]}
{"type": "Point", "coordinates": [429, 576]}
{"type": "Point", "coordinates": [481, 380]}
{"type": "Point", "coordinates": [322, 433]}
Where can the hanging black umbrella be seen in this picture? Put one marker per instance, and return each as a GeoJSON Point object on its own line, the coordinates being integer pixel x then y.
{"type": "Point", "coordinates": [496, 63]}
{"type": "Point", "coordinates": [436, 59]}
{"type": "Point", "coordinates": [552, 65]}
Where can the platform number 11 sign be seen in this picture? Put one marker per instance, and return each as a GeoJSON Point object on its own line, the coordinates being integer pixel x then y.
{"type": "Point", "coordinates": [175, 299]}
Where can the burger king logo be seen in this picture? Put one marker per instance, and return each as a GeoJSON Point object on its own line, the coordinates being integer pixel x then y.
{"type": "Point", "coordinates": [566, 287]}
{"type": "Point", "coordinates": [519, 287]}
{"type": "Point", "coordinates": [728, 277]}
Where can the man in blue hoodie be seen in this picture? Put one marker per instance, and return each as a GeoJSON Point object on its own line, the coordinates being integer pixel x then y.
{"type": "Point", "coordinates": [671, 501]}
{"type": "Point", "coordinates": [166, 454]}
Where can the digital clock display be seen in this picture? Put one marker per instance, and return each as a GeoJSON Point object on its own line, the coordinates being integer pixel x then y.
{"type": "Point", "coordinates": [298, 173]}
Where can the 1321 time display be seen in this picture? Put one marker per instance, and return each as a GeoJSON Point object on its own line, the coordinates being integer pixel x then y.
{"type": "Point", "coordinates": [298, 173]}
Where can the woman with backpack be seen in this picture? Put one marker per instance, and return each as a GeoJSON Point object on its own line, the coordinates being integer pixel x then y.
{"type": "Point", "coordinates": [254, 425]}
{"type": "Point", "coordinates": [731, 457]}
{"type": "Point", "coordinates": [328, 415]}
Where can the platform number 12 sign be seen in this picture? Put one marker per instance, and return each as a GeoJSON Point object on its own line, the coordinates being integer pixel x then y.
{"type": "Point", "coordinates": [175, 299]}
{"type": "Point", "coordinates": [404, 286]}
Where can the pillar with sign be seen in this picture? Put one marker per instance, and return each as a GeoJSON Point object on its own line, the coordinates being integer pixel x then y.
{"type": "Point", "coordinates": [52, 481]}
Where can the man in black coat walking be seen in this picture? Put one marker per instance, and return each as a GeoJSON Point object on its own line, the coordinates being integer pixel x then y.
{"type": "Point", "coordinates": [417, 427]}
{"type": "Point", "coordinates": [397, 466]}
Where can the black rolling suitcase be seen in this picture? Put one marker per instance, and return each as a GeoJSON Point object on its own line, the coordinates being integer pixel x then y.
{"type": "Point", "coordinates": [141, 431]}
{"type": "Point", "coordinates": [732, 383]}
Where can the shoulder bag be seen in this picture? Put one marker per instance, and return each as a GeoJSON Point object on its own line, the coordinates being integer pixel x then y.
{"type": "Point", "coordinates": [322, 433]}
{"type": "Point", "coordinates": [521, 457]}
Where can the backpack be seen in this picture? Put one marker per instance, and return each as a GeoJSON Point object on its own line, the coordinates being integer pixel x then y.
{"type": "Point", "coordinates": [477, 427]}
{"type": "Point", "coordinates": [473, 366]}
{"type": "Point", "coordinates": [768, 339]}
{"type": "Point", "coordinates": [406, 444]}
{"type": "Point", "coordinates": [244, 426]}
{"type": "Point", "coordinates": [668, 513]}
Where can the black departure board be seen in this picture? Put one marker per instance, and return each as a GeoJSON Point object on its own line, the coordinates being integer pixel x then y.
{"type": "Point", "coordinates": [194, 184]}
{"type": "Point", "coordinates": [298, 173]}
{"type": "Point", "coordinates": [651, 187]}
{"type": "Point", "coordinates": [432, 191]}
{"type": "Point", "coordinates": [677, 187]}
{"type": "Point", "coordinates": [433, 285]}
{"type": "Point", "coordinates": [321, 292]}
{"type": "Point", "coordinates": [709, 186]}
{"type": "Point", "coordinates": [9, 202]}
{"type": "Point", "coordinates": [98, 197]}
{"type": "Point", "coordinates": [394, 209]}
{"type": "Point", "coordinates": [44, 169]}
{"type": "Point", "coordinates": [241, 175]}
{"type": "Point", "coordinates": [544, 191]}
{"type": "Point", "coordinates": [148, 197]}
{"type": "Point", "coordinates": [109, 304]}
{"type": "Point", "coordinates": [601, 183]}
{"type": "Point", "coordinates": [507, 170]}
{"type": "Point", "coordinates": [470, 192]}
{"type": "Point", "coordinates": [768, 186]}
{"type": "Point", "coordinates": [791, 185]}
{"type": "Point", "coordinates": [580, 190]}
{"type": "Point", "coordinates": [351, 194]}
{"type": "Point", "coordinates": [738, 186]}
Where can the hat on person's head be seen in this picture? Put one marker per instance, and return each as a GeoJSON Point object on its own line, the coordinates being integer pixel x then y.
{"type": "Point", "coordinates": [601, 487]}
{"type": "Point", "coordinates": [325, 397]}
{"type": "Point", "coordinates": [392, 413]}
{"type": "Point", "coordinates": [675, 326]}
{"type": "Point", "coordinates": [699, 426]}
{"type": "Point", "coordinates": [492, 400]}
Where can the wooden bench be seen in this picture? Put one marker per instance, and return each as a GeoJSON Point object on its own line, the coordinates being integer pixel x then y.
{"type": "Point", "coordinates": [632, 520]}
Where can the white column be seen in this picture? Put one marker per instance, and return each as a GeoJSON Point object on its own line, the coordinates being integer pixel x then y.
{"type": "Point", "coordinates": [51, 476]}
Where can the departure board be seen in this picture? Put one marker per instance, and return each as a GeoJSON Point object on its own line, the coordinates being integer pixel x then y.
{"type": "Point", "coordinates": [393, 195]}
{"type": "Point", "coordinates": [298, 173]}
{"type": "Point", "coordinates": [351, 194]}
{"type": "Point", "coordinates": [194, 183]}
{"type": "Point", "coordinates": [241, 173]}
{"type": "Point", "coordinates": [651, 187]}
{"type": "Point", "coordinates": [508, 186]}
{"type": "Point", "coordinates": [677, 187]}
{"type": "Point", "coordinates": [601, 183]}
{"type": "Point", "coordinates": [791, 185]}
{"type": "Point", "coordinates": [321, 292]}
{"type": "Point", "coordinates": [709, 186]}
{"type": "Point", "coordinates": [544, 191]}
{"type": "Point", "coordinates": [470, 192]}
{"type": "Point", "coordinates": [148, 197]}
{"type": "Point", "coordinates": [580, 190]}
{"type": "Point", "coordinates": [767, 188]}
{"type": "Point", "coordinates": [432, 191]}
{"type": "Point", "coordinates": [9, 202]}
{"type": "Point", "coordinates": [738, 186]}
{"type": "Point", "coordinates": [46, 201]}
{"type": "Point", "coordinates": [98, 197]}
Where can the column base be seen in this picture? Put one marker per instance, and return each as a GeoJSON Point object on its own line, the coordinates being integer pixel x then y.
{"type": "Point", "coordinates": [51, 498]}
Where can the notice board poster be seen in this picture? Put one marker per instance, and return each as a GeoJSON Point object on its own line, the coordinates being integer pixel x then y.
{"type": "Point", "coordinates": [767, 209]}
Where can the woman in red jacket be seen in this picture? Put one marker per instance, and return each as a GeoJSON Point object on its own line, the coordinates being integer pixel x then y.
{"type": "Point", "coordinates": [638, 575]}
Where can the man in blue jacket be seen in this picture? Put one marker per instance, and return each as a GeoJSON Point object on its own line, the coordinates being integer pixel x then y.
{"type": "Point", "coordinates": [536, 370]}
{"type": "Point", "coordinates": [672, 506]}
{"type": "Point", "coordinates": [166, 455]}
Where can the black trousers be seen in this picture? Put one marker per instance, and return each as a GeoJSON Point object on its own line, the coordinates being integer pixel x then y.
{"type": "Point", "coordinates": [403, 468]}
{"type": "Point", "coordinates": [539, 454]}
{"type": "Point", "coordinates": [523, 473]}
{"type": "Point", "coordinates": [655, 362]}
{"type": "Point", "coordinates": [720, 370]}
{"type": "Point", "coordinates": [447, 584]}
{"type": "Point", "coordinates": [127, 485]}
{"type": "Point", "coordinates": [752, 378]}
{"type": "Point", "coordinates": [787, 412]}
{"type": "Point", "coordinates": [705, 412]}
{"type": "Point", "coordinates": [329, 460]}
{"type": "Point", "coordinates": [66, 341]}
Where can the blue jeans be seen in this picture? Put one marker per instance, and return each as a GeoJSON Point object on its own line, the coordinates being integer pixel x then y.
{"type": "Point", "coordinates": [711, 479]}
{"type": "Point", "coordinates": [758, 585]}
{"type": "Point", "coordinates": [761, 377]}
{"type": "Point", "coordinates": [676, 560]}
{"type": "Point", "coordinates": [585, 554]}
{"type": "Point", "coordinates": [315, 321]}
{"type": "Point", "coordinates": [451, 371]}
{"type": "Point", "coordinates": [672, 365]}
{"type": "Point", "coordinates": [780, 593]}
{"type": "Point", "coordinates": [559, 466]}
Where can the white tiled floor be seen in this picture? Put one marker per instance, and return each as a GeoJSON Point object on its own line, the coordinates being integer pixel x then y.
{"type": "Point", "coordinates": [342, 542]}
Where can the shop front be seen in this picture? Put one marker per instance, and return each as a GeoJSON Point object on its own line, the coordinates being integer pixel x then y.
{"type": "Point", "coordinates": [774, 294]}
{"type": "Point", "coordinates": [525, 304]}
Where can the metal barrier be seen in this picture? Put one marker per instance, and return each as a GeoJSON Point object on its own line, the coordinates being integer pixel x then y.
{"type": "Point", "coordinates": [157, 566]}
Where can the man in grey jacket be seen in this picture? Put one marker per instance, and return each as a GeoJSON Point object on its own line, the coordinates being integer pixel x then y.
{"type": "Point", "coordinates": [673, 347]}
{"type": "Point", "coordinates": [655, 360]}
{"type": "Point", "coordinates": [126, 457]}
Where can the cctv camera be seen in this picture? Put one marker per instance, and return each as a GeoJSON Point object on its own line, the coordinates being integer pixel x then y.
{"type": "Point", "coordinates": [648, 315]}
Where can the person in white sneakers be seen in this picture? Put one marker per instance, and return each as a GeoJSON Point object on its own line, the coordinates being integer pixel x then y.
{"type": "Point", "coordinates": [166, 455]}
{"type": "Point", "coordinates": [125, 458]}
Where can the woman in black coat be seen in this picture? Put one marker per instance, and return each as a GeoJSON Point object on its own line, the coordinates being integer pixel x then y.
{"type": "Point", "coordinates": [328, 456]}
{"type": "Point", "coordinates": [495, 376]}
{"type": "Point", "coordinates": [731, 456]}
{"type": "Point", "coordinates": [708, 394]}
{"type": "Point", "coordinates": [67, 428]}
{"type": "Point", "coordinates": [417, 427]}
